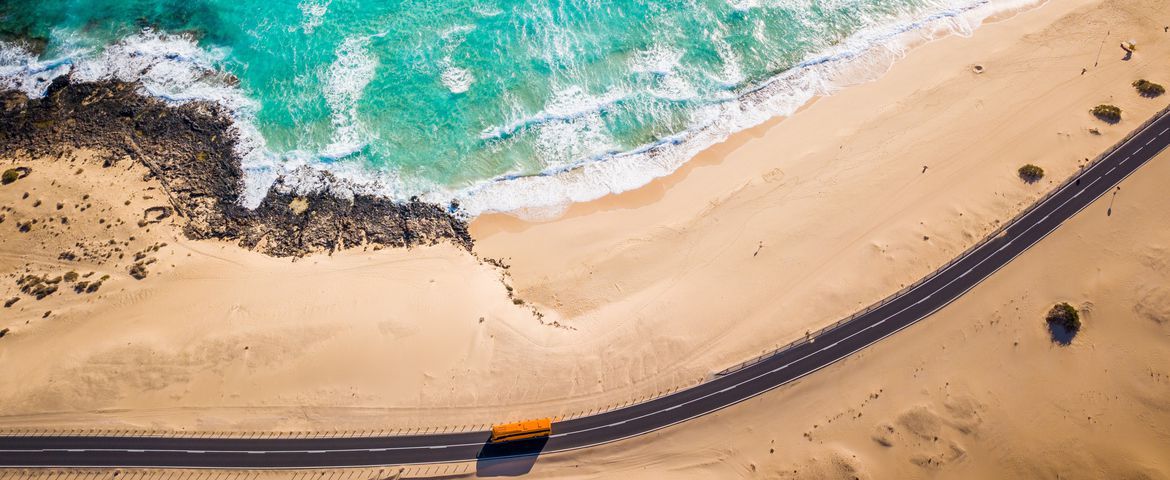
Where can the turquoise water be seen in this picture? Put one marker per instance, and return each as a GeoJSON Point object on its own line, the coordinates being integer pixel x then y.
{"type": "Point", "coordinates": [435, 97]}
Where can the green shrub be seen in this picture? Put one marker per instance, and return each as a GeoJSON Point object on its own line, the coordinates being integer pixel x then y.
{"type": "Point", "coordinates": [1148, 89]}
{"type": "Point", "coordinates": [1108, 113]}
{"type": "Point", "coordinates": [1066, 318]}
{"type": "Point", "coordinates": [10, 175]}
{"type": "Point", "coordinates": [1031, 173]}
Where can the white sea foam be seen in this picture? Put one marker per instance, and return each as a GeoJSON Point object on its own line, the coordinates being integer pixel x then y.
{"type": "Point", "coordinates": [345, 83]}
{"type": "Point", "coordinates": [862, 57]}
{"type": "Point", "coordinates": [663, 63]}
{"type": "Point", "coordinates": [21, 70]}
{"type": "Point", "coordinates": [658, 60]}
{"type": "Point", "coordinates": [568, 104]}
{"type": "Point", "coordinates": [731, 74]}
{"type": "Point", "coordinates": [171, 67]}
{"type": "Point", "coordinates": [582, 163]}
{"type": "Point", "coordinates": [313, 14]}
{"type": "Point", "coordinates": [457, 80]}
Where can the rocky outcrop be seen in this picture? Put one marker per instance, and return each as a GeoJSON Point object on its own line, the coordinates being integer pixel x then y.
{"type": "Point", "coordinates": [190, 148]}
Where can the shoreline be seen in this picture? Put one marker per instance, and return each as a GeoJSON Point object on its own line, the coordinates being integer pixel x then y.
{"type": "Point", "coordinates": [714, 153]}
{"type": "Point", "coordinates": [191, 149]}
{"type": "Point", "coordinates": [899, 41]}
{"type": "Point", "coordinates": [859, 58]}
{"type": "Point", "coordinates": [815, 196]}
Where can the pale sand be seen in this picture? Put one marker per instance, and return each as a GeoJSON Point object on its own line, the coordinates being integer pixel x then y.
{"type": "Point", "coordinates": [976, 391]}
{"type": "Point", "coordinates": [640, 292]}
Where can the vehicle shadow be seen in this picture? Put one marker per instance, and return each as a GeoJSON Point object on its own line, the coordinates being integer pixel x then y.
{"type": "Point", "coordinates": [508, 459]}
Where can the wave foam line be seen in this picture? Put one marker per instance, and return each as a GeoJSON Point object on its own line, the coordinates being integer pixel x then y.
{"type": "Point", "coordinates": [176, 69]}
{"type": "Point", "coordinates": [872, 51]}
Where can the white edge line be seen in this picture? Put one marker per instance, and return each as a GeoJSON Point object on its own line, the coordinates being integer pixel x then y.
{"type": "Point", "coordinates": [832, 362]}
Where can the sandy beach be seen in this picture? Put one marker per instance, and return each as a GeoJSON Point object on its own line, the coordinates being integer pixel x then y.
{"type": "Point", "coordinates": [780, 230]}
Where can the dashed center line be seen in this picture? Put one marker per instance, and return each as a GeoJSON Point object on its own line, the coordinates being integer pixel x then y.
{"type": "Point", "coordinates": [1022, 220]}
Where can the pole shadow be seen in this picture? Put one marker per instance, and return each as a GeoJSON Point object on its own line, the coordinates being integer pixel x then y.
{"type": "Point", "coordinates": [508, 459]}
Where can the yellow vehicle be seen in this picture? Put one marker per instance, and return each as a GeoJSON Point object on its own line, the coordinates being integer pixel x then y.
{"type": "Point", "coordinates": [525, 430]}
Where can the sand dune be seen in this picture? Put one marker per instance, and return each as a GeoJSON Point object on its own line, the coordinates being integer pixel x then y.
{"type": "Point", "coordinates": [782, 229]}
{"type": "Point", "coordinates": [978, 390]}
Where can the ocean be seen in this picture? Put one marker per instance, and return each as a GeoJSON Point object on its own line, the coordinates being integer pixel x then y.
{"type": "Point", "coordinates": [498, 105]}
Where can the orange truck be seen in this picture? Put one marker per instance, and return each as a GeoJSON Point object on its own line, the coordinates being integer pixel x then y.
{"type": "Point", "coordinates": [525, 430]}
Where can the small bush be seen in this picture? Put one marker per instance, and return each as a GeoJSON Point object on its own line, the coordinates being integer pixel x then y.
{"type": "Point", "coordinates": [1031, 173]}
{"type": "Point", "coordinates": [1148, 89]}
{"type": "Point", "coordinates": [9, 176]}
{"type": "Point", "coordinates": [138, 271]}
{"type": "Point", "coordinates": [1063, 322]}
{"type": "Point", "coordinates": [1108, 113]}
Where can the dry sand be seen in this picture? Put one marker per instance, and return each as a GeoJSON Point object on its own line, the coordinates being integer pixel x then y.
{"type": "Point", "coordinates": [782, 229]}
{"type": "Point", "coordinates": [978, 390]}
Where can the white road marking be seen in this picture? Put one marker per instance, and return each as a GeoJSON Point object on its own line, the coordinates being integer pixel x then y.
{"type": "Point", "coordinates": [761, 375]}
{"type": "Point", "coordinates": [1111, 170]}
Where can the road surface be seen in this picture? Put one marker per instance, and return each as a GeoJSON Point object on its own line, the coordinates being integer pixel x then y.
{"type": "Point", "coordinates": [732, 387]}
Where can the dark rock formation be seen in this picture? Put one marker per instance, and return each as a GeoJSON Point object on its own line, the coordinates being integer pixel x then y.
{"type": "Point", "coordinates": [190, 149]}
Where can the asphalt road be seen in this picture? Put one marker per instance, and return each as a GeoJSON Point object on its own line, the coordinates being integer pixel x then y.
{"type": "Point", "coordinates": [724, 390]}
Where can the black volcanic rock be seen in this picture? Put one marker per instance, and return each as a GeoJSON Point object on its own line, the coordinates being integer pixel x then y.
{"type": "Point", "coordinates": [190, 148]}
